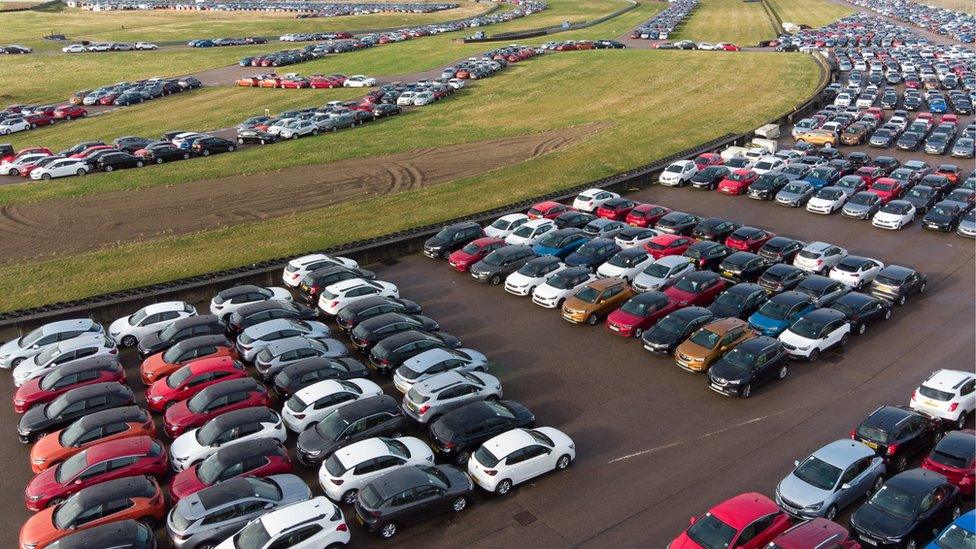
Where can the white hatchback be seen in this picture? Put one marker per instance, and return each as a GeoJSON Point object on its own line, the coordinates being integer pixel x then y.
{"type": "Point", "coordinates": [300, 266]}
{"type": "Point", "coordinates": [678, 173]}
{"type": "Point", "coordinates": [856, 272]}
{"type": "Point", "coordinates": [64, 352]}
{"type": "Point", "coordinates": [591, 199]}
{"type": "Point", "coordinates": [61, 168]}
{"type": "Point", "coordinates": [505, 225]}
{"type": "Point", "coordinates": [815, 332]}
{"type": "Point", "coordinates": [530, 232]}
{"type": "Point", "coordinates": [129, 330]}
{"type": "Point", "coordinates": [560, 286]}
{"type": "Point", "coordinates": [228, 429]}
{"type": "Point", "coordinates": [520, 455]}
{"type": "Point", "coordinates": [534, 273]}
{"type": "Point", "coordinates": [947, 394]}
{"type": "Point", "coordinates": [343, 293]}
{"type": "Point", "coordinates": [310, 404]}
{"type": "Point", "coordinates": [311, 524]}
{"type": "Point", "coordinates": [626, 264]}
{"type": "Point", "coordinates": [662, 272]}
{"type": "Point", "coordinates": [347, 470]}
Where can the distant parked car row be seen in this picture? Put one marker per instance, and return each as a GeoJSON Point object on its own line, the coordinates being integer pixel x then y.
{"type": "Point", "coordinates": [109, 46]}
{"type": "Point", "coordinates": [664, 22]}
{"type": "Point", "coordinates": [15, 49]}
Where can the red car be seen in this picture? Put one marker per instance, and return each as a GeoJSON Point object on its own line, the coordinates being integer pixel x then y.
{"type": "Point", "coordinates": [818, 532]}
{"type": "Point", "coordinates": [954, 457]}
{"type": "Point", "coordinates": [616, 209]}
{"type": "Point", "coordinates": [323, 82]}
{"type": "Point", "coordinates": [189, 380]}
{"type": "Point", "coordinates": [723, 524]}
{"type": "Point", "coordinates": [67, 112]}
{"type": "Point", "coordinates": [950, 171]}
{"type": "Point", "coordinates": [698, 288]}
{"type": "Point", "coordinates": [293, 83]}
{"type": "Point", "coordinates": [473, 252]}
{"type": "Point", "coordinates": [705, 160]}
{"type": "Point", "coordinates": [639, 313]}
{"type": "Point", "coordinates": [39, 119]}
{"type": "Point", "coordinates": [748, 239]}
{"type": "Point", "coordinates": [209, 403]}
{"type": "Point", "coordinates": [108, 99]}
{"type": "Point", "coordinates": [646, 215]}
{"type": "Point", "coordinates": [869, 174]}
{"type": "Point", "coordinates": [548, 210]}
{"type": "Point", "coordinates": [876, 112]}
{"type": "Point", "coordinates": [738, 181]}
{"type": "Point", "coordinates": [254, 458]}
{"type": "Point", "coordinates": [91, 150]}
{"type": "Point", "coordinates": [730, 47]}
{"type": "Point", "coordinates": [668, 244]}
{"type": "Point", "coordinates": [887, 189]}
{"type": "Point", "coordinates": [66, 377]}
{"type": "Point", "coordinates": [11, 156]}
{"type": "Point", "coordinates": [126, 457]}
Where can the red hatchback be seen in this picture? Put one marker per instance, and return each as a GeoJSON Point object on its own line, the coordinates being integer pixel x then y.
{"type": "Point", "coordinates": [699, 288]}
{"type": "Point", "coordinates": [548, 210]}
{"type": "Point", "coordinates": [887, 189]}
{"type": "Point", "coordinates": [639, 313]}
{"type": "Point", "coordinates": [818, 532]}
{"type": "Point", "coordinates": [748, 239]}
{"type": "Point", "coordinates": [668, 244]}
{"type": "Point", "coordinates": [473, 252]}
{"type": "Point", "coordinates": [253, 458]}
{"type": "Point", "coordinates": [646, 215]}
{"type": "Point", "coordinates": [189, 380]}
{"type": "Point", "coordinates": [127, 457]}
{"type": "Point", "coordinates": [209, 403]}
{"type": "Point", "coordinates": [738, 181]}
{"type": "Point", "coordinates": [66, 377]}
{"type": "Point", "coordinates": [616, 209]}
{"type": "Point", "coordinates": [705, 160]}
{"type": "Point", "coordinates": [91, 150]}
{"type": "Point", "coordinates": [29, 150]}
{"type": "Point", "coordinates": [39, 119]}
{"type": "Point", "coordinates": [869, 173]}
{"type": "Point", "coordinates": [67, 112]}
{"type": "Point", "coordinates": [730, 522]}
{"type": "Point", "coordinates": [954, 457]}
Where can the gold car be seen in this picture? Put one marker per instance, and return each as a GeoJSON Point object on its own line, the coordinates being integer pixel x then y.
{"type": "Point", "coordinates": [710, 342]}
{"type": "Point", "coordinates": [819, 138]}
{"type": "Point", "coordinates": [596, 299]}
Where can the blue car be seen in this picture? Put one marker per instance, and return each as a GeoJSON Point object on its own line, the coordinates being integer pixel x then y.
{"type": "Point", "coordinates": [592, 254]}
{"type": "Point", "coordinates": [822, 176]}
{"type": "Point", "coordinates": [961, 534]}
{"type": "Point", "coordinates": [938, 107]}
{"type": "Point", "coordinates": [780, 312]}
{"type": "Point", "coordinates": [561, 242]}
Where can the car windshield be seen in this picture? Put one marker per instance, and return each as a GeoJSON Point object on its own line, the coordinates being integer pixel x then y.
{"type": "Point", "coordinates": [730, 299]}
{"type": "Point", "coordinates": [943, 210]}
{"type": "Point", "coordinates": [882, 186]}
{"type": "Point", "coordinates": [635, 307]}
{"type": "Point", "coordinates": [705, 338]}
{"type": "Point", "coordinates": [621, 260]}
{"type": "Point", "coordinates": [588, 294]}
{"type": "Point", "coordinates": [446, 234]}
{"type": "Point", "coordinates": [675, 168]}
{"type": "Point", "coordinates": [818, 473]}
{"type": "Point", "coordinates": [795, 188]}
{"type": "Point", "coordinates": [210, 469]}
{"type": "Point", "coordinates": [688, 284]}
{"type": "Point", "coordinates": [775, 311]}
{"type": "Point", "coordinates": [830, 194]}
{"type": "Point", "coordinates": [863, 199]}
{"type": "Point", "coordinates": [739, 176]}
{"type": "Point", "coordinates": [332, 426]}
{"type": "Point", "coordinates": [370, 497]}
{"type": "Point", "coordinates": [894, 501]}
{"type": "Point", "coordinates": [740, 359]}
{"type": "Point", "coordinates": [525, 231]}
{"type": "Point", "coordinates": [494, 258]}
{"type": "Point", "coordinates": [67, 513]}
{"type": "Point", "coordinates": [872, 433]}
{"type": "Point", "coordinates": [796, 169]}
{"type": "Point", "coordinates": [956, 537]}
{"type": "Point", "coordinates": [501, 224]}
{"type": "Point", "coordinates": [170, 330]}
{"type": "Point", "coordinates": [896, 208]}
{"type": "Point", "coordinates": [561, 282]}
{"type": "Point", "coordinates": [533, 269]}
{"type": "Point", "coordinates": [587, 250]}
{"type": "Point", "coordinates": [48, 354]}
{"type": "Point", "coordinates": [296, 404]}
{"type": "Point", "coordinates": [32, 338]}
{"type": "Point", "coordinates": [70, 468]}
{"type": "Point", "coordinates": [807, 328]}
{"type": "Point", "coordinates": [252, 536]}
{"type": "Point", "coordinates": [471, 248]}
{"type": "Point", "coordinates": [178, 377]}
{"type": "Point", "coordinates": [711, 532]}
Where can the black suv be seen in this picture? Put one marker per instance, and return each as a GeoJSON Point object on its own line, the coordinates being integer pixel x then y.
{"type": "Point", "coordinates": [749, 364]}
{"type": "Point", "coordinates": [389, 354]}
{"type": "Point", "coordinates": [262, 311]}
{"type": "Point", "coordinates": [358, 311]}
{"type": "Point", "coordinates": [907, 510]}
{"type": "Point", "coordinates": [118, 161]}
{"type": "Point", "coordinates": [452, 238]}
{"type": "Point", "coordinates": [671, 330]}
{"type": "Point", "coordinates": [739, 301]}
{"type": "Point", "coordinates": [898, 434]}
{"type": "Point", "coordinates": [372, 331]}
{"type": "Point", "coordinates": [458, 433]}
{"type": "Point", "coordinates": [501, 263]}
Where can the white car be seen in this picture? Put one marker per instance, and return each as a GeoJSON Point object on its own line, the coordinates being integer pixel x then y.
{"type": "Point", "coordinates": [530, 232]}
{"type": "Point", "coordinates": [89, 345]}
{"type": "Point", "coordinates": [348, 469]}
{"type": "Point", "coordinates": [768, 164]}
{"type": "Point", "coordinates": [405, 99]}
{"type": "Point", "coordinates": [856, 272]}
{"type": "Point", "coordinates": [947, 394]}
{"type": "Point", "coordinates": [436, 361]}
{"type": "Point", "coordinates": [145, 46]}
{"type": "Point", "coordinates": [255, 339]}
{"type": "Point", "coordinates": [659, 274]}
{"type": "Point", "coordinates": [504, 225]}
{"type": "Point", "coordinates": [273, 129]}
{"type": "Point", "coordinates": [129, 330]}
{"type": "Point", "coordinates": [343, 293]}
{"type": "Point", "coordinates": [678, 173]}
{"type": "Point", "coordinates": [300, 266]}
{"type": "Point", "coordinates": [61, 168]}
{"type": "Point", "coordinates": [827, 201]}
{"type": "Point", "coordinates": [529, 276]}
{"type": "Point", "coordinates": [591, 199]}
{"type": "Point", "coordinates": [100, 47]}
{"type": "Point", "coordinates": [311, 524]}
{"type": "Point", "coordinates": [359, 81]}
{"type": "Point", "coordinates": [423, 98]}
{"type": "Point", "coordinates": [456, 83]}
{"type": "Point", "coordinates": [634, 237]}
{"type": "Point", "coordinates": [178, 139]}
{"type": "Point", "coordinates": [13, 125]}
{"type": "Point", "coordinates": [228, 301]}
{"type": "Point", "coordinates": [894, 215]}
{"type": "Point", "coordinates": [309, 405]}
{"type": "Point", "coordinates": [518, 456]}
{"type": "Point", "coordinates": [559, 286]}
{"type": "Point", "coordinates": [17, 350]}
{"type": "Point", "coordinates": [818, 257]}
{"type": "Point", "coordinates": [843, 99]}
{"type": "Point", "coordinates": [8, 167]}
{"type": "Point", "coordinates": [298, 128]}
{"type": "Point", "coordinates": [74, 48]}
{"type": "Point", "coordinates": [228, 429]}
{"type": "Point", "coordinates": [626, 264]}
{"type": "Point", "coordinates": [815, 332]}
{"type": "Point", "coordinates": [705, 46]}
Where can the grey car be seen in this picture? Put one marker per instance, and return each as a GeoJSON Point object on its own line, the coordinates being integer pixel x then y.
{"type": "Point", "coordinates": [795, 194]}
{"type": "Point", "coordinates": [434, 361]}
{"type": "Point", "coordinates": [603, 228]}
{"type": "Point", "coordinates": [15, 351]}
{"type": "Point", "coordinates": [963, 148]}
{"type": "Point", "coordinates": [205, 518]}
{"type": "Point", "coordinates": [862, 205]}
{"type": "Point", "coordinates": [967, 227]}
{"type": "Point", "coordinates": [431, 398]}
{"type": "Point", "coordinates": [283, 352]}
{"type": "Point", "coordinates": [824, 291]}
{"type": "Point", "coordinates": [501, 263]}
{"type": "Point", "coordinates": [255, 338]}
{"type": "Point", "coordinates": [829, 480]}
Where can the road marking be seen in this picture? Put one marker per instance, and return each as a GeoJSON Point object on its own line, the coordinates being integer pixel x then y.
{"type": "Point", "coordinates": [680, 442]}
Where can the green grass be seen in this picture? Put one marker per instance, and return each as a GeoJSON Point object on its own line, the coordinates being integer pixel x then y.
{"type": "Point", "coordinates": [670, 115]}
{"type": "Point", "coordinates": [965, 6]}
{"type": "Point", "coordinates": [815, 13]}
{"type": "Point", "coordinates": [742, 23]}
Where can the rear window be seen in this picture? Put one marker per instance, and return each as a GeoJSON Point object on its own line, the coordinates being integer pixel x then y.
{"type": "Point", "coordinates": [485, 457]}
{"type": "Point", "coordinates": [935, 394]}
{"type": "Point", "coordinates": [872, 433]}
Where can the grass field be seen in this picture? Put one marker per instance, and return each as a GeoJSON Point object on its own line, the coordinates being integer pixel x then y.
{"type": "Point", "coordinates": [965, 6]}
{"type": "Point", "coordinates": [670, 115]}
{"type": "Point", "coordinates": [742, 23]}
{"type": "Point", "coordinates": [815, 13]}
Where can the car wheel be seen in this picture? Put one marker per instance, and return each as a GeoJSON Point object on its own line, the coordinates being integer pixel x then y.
{"type": "Point", "coordinates": [638, 333]}
{"type": "Point", "coordinates": [956, 512]}
{"type": "Point", "coordinates": [887, 314]}
{"type": "Point", "coordinates": [563, 462]}
{"type": "Point", "coordinates": [149, 522]}
{"type": "Point", "coordinates": [861, 328]}
{"type": "Point", "coordinates": [262, 141]}
{"type": "Point", "coordinates": [206, 152]}
{"type": "Point", "coordinates": [315, 132]}
{"type": "Point", "coordinates": [48, 176]}
{"type": "Point", "coordinates": [109, 168]}
{"type": "Point", "coordinates": [831, 513]}
{"type": "Point", "coordinates": [747, 391]}
{"type": "Point", "coordinates": [592, 319]}
{"type": "Point", "coordinates": [844, 340]}
{"type": "Point", "coordinates": [186, 156]}
{"type": "Point", "coordinates": [128, 341]}
{"type": "Point", "coordinates": [814, 355]}
{"type": "Point", "coordinates": [55, 502]}
{"type": "Point", "coordinates": [961, 421]}
{"type": "Point", "coordinates": [462, 458]}
{"type": "Point", "coordinates": [921, 289]}
{"type": "Point", "coordinates": [559, 304]}
{"type": "Point", "coordinates": [388, 530]}
{"type": "Point", "coordinates": [349, 497]}
{"type": "Point", "coordinates": [459, 504]}
{"type": "Point", "coordinates": [14, 171]}
{"type": "Point", "coordinates": [503, 487]}
{"type": "Point", "coordinates": [900, 464]}
{"type": "Point", "coordinates": [294, 136]}
{"type": "Point", "coordinates": [397, 434]}
{"type": "Point", "coordinates": [496, 280]}
{"type": "Point", "coordinates": [139, 164]}
{"type": "Point", "coordinates": [784, 371]}
{"type": "Point", "coordinates": [901, 300]}
{"type": "Point", "coordinates": [159, 160]}
{"type": "Point", "coordinates": [878, 483]}
{"type": "Point", "coordinates": [912, 544]}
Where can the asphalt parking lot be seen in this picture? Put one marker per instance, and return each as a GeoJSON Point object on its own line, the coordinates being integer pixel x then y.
{"type": "Point", "coordinates": [655, 446]}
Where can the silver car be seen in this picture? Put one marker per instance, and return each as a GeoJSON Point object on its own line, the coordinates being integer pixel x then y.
{"type": "Point", "coordinates": [967, 227]}
{"type": "Point", "coordinates": [255, 338]}
{"type": "Point", "coordinates": [862, 205]}
{"type": "Point", "coordinates": [207, 517]}
{"type": "Point", "coordinates": [433, 397]}
{"type": "Point", "coordinates": [829, 480]}
{"type": "Point", "coordinates": [15, 351]}
{"type": "Point", "coordinates": [279, 354]}
{"type": "Point", "coordinates": [435, 361]}
{"type": "Point", "coordinates": [819, 257]}
{"type": "Point", "coordinates": [795, 194]}
{"type": "Point", "coordinates": [662, 272]}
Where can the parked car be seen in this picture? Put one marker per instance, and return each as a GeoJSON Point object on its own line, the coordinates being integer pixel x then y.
{"type": "Point", "coordinates": [233, 427]}
{"type": "Point", "coordinates": [518, 456]}
{"type": "Point", "coordinates": [750, 516]}
{"type": "Point", "coordinates": [259, 457]}
{"type": "Point", "coordinates": [349, 469]}
{"type": "Point", "coordinates": [62, 379]}
{"type": "Point", "coordinates": [947, 394]}
{"type": "Point", "coordinates": [91, 429]}
{"type": "Point", "coordinates": [896, 283]}
{"type": "Point", "coordinates": [360, 420]}
{"type": "Point", "coordinates": [313, 523]}
{"type": "Point", "coordinates": [674, 328]}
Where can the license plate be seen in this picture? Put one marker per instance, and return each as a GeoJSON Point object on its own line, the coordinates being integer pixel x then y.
{"type": "Point", "coordinates": [614, 328]}
{"type": "Point", "coordinates": [304, 287]}
{"type": "Point", "coordinates": [931, 403]}
{"type": "Point", "coordinates": [728, 274]}
{"type": "Point", "coordinates": [435, 449]}
{"type": "Point", "coordinates": [359, 519]}
{"type": "Point", "coordinates": [869, 444]}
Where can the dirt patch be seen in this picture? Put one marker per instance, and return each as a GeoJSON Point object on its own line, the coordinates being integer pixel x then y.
{"type": "Point", "coordinates": [43, 229]}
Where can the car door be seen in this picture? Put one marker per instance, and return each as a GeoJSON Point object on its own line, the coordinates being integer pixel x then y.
{"type": "Point", "coordinates": [756, 534]}
{"type": "Point", "coordinates": [967, 395]}
{"type": "Point", "coordinates": [403, 508]}
{"type": "Point", "coordinates": [833, 333]}
{"type": "Point", "coordinates": [302, 538]}
{"type": "Point", "coordinates": [429, 501]}
{"type": "Point", "coordinates": [729, 339]}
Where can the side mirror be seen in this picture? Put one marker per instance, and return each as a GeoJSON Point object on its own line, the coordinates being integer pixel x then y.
{"type": "Point", "coordinates": [77, 481]}
{"type": "Point", "coordinates": [796, 463]}
{"type": "Point", "coordinates": [845, 486]}
{"type": "Point", "coordinates": [692, 521]}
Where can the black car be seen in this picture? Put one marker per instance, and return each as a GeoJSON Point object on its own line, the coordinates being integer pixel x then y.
{"type": "Point", "coordinates": [411, 494]}
{"type": "Point", "coordinates": [373, 330]}
{"type": "Point", "coordinates": [742, 267]}
{"type": "Point", "coordinates": [385, 109]}
{"type": "Point", "coordinates": [70, 406]}
{"type": "Point", "coordinates": [896, 283]}
{"type": "Point", "coordinates": [359, 420]}
{"type": "Point", "coordinates": [859, 159]}
{"type": "Point", "coordinates": [898, 434]}
{"type": "Point", "coordinates": [452, 238]}
{"type": "Point", "coordinates": [354, 313]}
{"type": "Point", "coordinates": [251, 136]}
{"type": "Point", "coordinates": [317, 280]}
{"type": "Point", "coordinates": [907, 510]}
{"type": "Point", "coordinates": [608, 44]}
{"type": "Point", "coordinates": [781, 277]}
{"type": "Point", "coordinates": [76, 148]}
{"type": "Point", "coordinates": [671, 330]}
{"type": "Point", "coordinates": [909, 141]}
{"type": "Point", "coordinates": [131, 144]}
{"type": "Point", "coordinates": [262, 311]}
{"type": "Point", "coordinates": [887, 164]}
{"type": "Point", "coordinates": [389, 354]}
{"type": "Point", "coordinates": [573, 220]}
{"type": "Point", "coordinates": [944, 216]}
{"type": "Point", "coordinates": [118, 161]}
{"type": "Point", "coordinates": [129, 98]}
{"type": "Point", "coordinates": [302, 373]}
{"type": "Point", "coordinates": [164, 152]}
{"type": "Point", "coordinates": [822, 290]}
{"type": "Point", "coordinates": [937, 143]}
{"type": "Point", "coordinates": [780, 249]}
{"type": "Point", "coordinates": [861, 309]}
{"type": "Point", "coordinates": [739, 301]}
{"type": "Point", "coordinates": [205, 146]}
{"type": "Point", "coordinates": [710, 177]}
{"type": "Point", "coordinates": [190, 82]}
{"type": "Point", "coordinates": [707, 254]}
{"type": "Point", "coordinates": [680, 223]}
{"type": "Point", "coordinates": [748, 365]}
{"type": "Point", "coordinates": [500, 263]}
{"type": "Point", "coordinates": [922, 197]}
{"type": "Point", "coordinates": [767, 185]}
{"type": "Point", "coordinates": [714, 228]}
{"type": "Point", "coordinates": [938, 182]}
{"type": "Point", "coordinates": [458, 433]}
{"type": "Point", "coordinates": [127, 534]}
{"type": "Point", "coordinates": [882, 138]}
{"type": "Point", "coordinates": [179, 330]}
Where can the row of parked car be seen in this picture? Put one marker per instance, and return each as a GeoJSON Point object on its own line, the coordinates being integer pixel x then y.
{"type": "Point", "coordinates": [15, 49]}
{"type": "Point", "coordinates": [98, 47]}
{"type": "Point", "coordinates": [957, 25]}
{"type": "Point", "coordinates": [317, 8]}
{"type": "Point", "coordinates": [314, 81]}
{"type": "Point", "coordinates": [665, 21]}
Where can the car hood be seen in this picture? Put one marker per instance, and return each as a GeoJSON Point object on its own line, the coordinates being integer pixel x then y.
{"type": "Point", "coordinates": [434, 242]}
{"type": "Point", "coordinates": [178, 414]}
{"type": "Point", "coordinates": [44, 484]}
{"type": "Point", "coordinates": [766, 324]}
{"type": "Point", "coordinates": [33, 419]}
{"type": "Point", "coordinates": [461, 256]}
{"type": "Point", "coordinates": [935, 218]}
{"type": "Point", "coordinates": [151, 343]}
{"type": "Point", "coordinates": [184, 445]}
{"type": "Point", "coordinates": [311, 441]}
{"type": "Point", "coordinates": [799, 492]}
{"type": "Point", "coordinates": [118, 325]}
{"type": "Point", "coordinates": [40, 529]}
{"type": "Point", "coordinates": [856, 207]}
{"type": "Point", "coordinates": [684, 542]}
{"type": "Point", "coordinates": [185, 483]}
{"type": "Point", "coordinates": [10, 347]}
{"type": "Point", "coordinates": [623, 318]}
{"type": "Point", "coordinates": [870, 519]}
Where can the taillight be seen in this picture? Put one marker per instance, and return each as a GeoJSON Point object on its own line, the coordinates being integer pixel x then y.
{"type": "Point", "coordinates": [449, 445]}
{"type": "Point", "coordinates": [491, 472]}
{"type": "Point", "coordinates": [299, 416]}
{"type": "Point", "coordinates": [854, 433]}
{"type": "Point", "coordinates": [820, 262]}
{"type": "Point", "coordinates": [892, 448]}
{"type": "Point", "coordinates": [334, 304]}
{"type": "Point", "coordinates": [337, 481]}
{"type": "Point", "coordinates": [342, 527]}
{"type": "Point", "coordinates": [113, 351]}
{"type": "Point", "coordinates": [374, 513]}
{"type": "Point", "coordinates": [914, 394]}
{"type": "Point", "coordinates": [314, 288]}
{"type": "Point", "coordinates": [423, 409]}
{"type": "Point", "coordinates": [953, 406]}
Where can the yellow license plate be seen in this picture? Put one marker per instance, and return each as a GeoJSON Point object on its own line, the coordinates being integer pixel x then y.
{"type": "Point", "coordinates": [872, 445]}
{"type": "Point", "coordinates": [729, 274]}
{"type": "Point", "coordinates": [359, 519]}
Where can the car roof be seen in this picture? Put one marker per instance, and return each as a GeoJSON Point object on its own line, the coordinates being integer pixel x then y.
{"type": "Point", "coordinates": [431, 357]}
{"type": "Point", "coordinates": [229, 386]}
{"type": "Point", "coordinates": [243, 416]}
{"type": "Point", "coordinates": [96, 389]}
{"type": "Point", "coordinates": [896, 271]}
{"type": "Point", "coordinates": [741, 510]}
{"type": "Point", "coordinates": [399, 480]}
{"type": "Point", "coordinates": [843, 452]}
{"type": "Point", "coordinates": [824, 315]}
{"type": "Point", "coordinates": [104, 362]}
{"type": "Point", "coordinates": [123, 413]}
{"type": "Point", "coordinates": [266, 305]}
{"type": "Point", "coordinates": [244, 449]}
{"type": "Point", "coordinates": [349, 284]}
{"type": "Point", "coordinates": [537, 222]}
{"type": "Point", "coordinates": [87, 339]}
{"type": "Point", "coordinates": [284, 345]}
{"type": "Point", "coordinates": [319, 389]}
{"type": "Point", "coordinates": [164, 306]}
{"type": "Point", "coordinates": [509, 441]}
{"type": "Point", "coordinates": [722, 325]}
{"type": "Point", "coordinates": [109, 535]}
{"type": "Point", "coordinates": [917, 482]}
{"type": "Point", "coordinates": [604, 283]}
{"type": "Point", "coordinates": [204, 341]}
{"type": "Point", "coordinates": [285, 517]}
{"type": "Point", "coordinates": [958, 443]}
{"type": "Point", "coordinates": [817, 282]}
{"type": "Point", "coordinates": [947, 380]}
{"type": "Point", "coordinates": [229, 491]}
{"type": "Point", "coordinates": [673, 260]}
{"type": "Point", "coordinates": [196, 320]}
{"type": "Point", "coordinates": [360, 451]}
{"type": "Point", "coordinates": [69, 325]}
{"type": "Point", "coordinates": [887, 417]}
{"type": "Point", "coordinates": [818, 533]}
{"type": "Point", "coordinates": [745, 288]}
{"type": "Point", "coordinates": [120, 447]}
{"type": "Point", "coordinates": [370, 405]}
{"type": "Point", "coordinates": [267, 327]}
{"type": "Point", "coordinates": [790, 298]}
{"type": "Point", "coordinates": [239, 290]}
{"type": "Point", "coordinates": [109, 490]}
{"type": "Point", "coordinates": [818, 246]}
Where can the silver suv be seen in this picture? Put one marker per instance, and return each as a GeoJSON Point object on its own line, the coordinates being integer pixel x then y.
{"type": "Point", "coordinates": [433, 397]}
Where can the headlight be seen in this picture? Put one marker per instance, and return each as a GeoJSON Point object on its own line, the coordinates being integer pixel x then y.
{"type": "Point", "coordinates": [34, 498]}
{"type": "Point", "coordinates": [39, 461]}
{"type": "Point", "coordinates": [313, 453]}
{"type": "Point", "coordinates": [734, 381]}
{"type": "Point", "coordinates": [814, 507]}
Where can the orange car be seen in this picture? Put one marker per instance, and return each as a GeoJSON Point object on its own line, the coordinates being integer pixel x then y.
{"type": "Point", "coordinates": [103, 426]}
{"type": "Point", "coordinates": [248, 81]}
{"type": "Point", "coordinates": [137, 498]}
{"type": "Point", "coordinates": [163, 364]}
{"type": "Point", "coordinates": [271, 82]}
{"type": "Point", "coordinates": [710, 342]}
{"type": "Point", "coordinates": [596, 299]}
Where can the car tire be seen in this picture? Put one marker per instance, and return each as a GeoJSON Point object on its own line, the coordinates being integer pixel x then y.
{"type": "Point", "coordinates": [901, 464]}
{"type": "Point", "coordinates": [139, 164]}
{"type": "Point", "coordinates": [388, 530]}
{"type": "Point", "coordinates": [921, 289]}
{"type": "Point", "coordinates": [55, 502]}
{"type": "Point", "coordinates": [462, 458]}
{"type": "Point", "coordinates": [186, 156]}
{"type": "Point", "coordinates": [503, 487]}
{"type": "Point", "coordinates": [638, 332]}
{"type": "Point", "coordinates": [206, 152]}
{"type": "Point", "coordinates": [592, 319]}
{"type": "Point", "coordinates": [831, 513]}
{"type": "Point", "coordinates": [563, 462]}
{"type": "Point", "coordinates": [459, 504]}
{"type": "Point", "coordinates": [559, 304]}
{"type": "Point", "coordinates": [14, 171]}
{"type": "Point", "coordinates": [784, 371]}
{"type": "Point", "coordinates": [844, 340]}
{"type": "Point", "coordinates": [128, 341]}
{"type": "Point", "coordinates": [961, 420]}
{"type": "Point", "coordinates": [901, 300]}
{"type": "Point", "coordinates": [878, 483]}
{"type": "Point", "coordinates": [496, 280]}
{"type": "Point", "coordinates": [861, 328]}
{"type": "Point", "coordinates": [109, 168]}
{"type": "Point", "coordinates": [159, 160]}
{"type": "Point", "coordinates": [46, 176]}
{"type": "Point", "coordinates": [294, 136]}
{"type": "Point", "coordinates": [349, 498]}
{"type": "Point", "coordinates": [814, 355]}
{"type": "Point", "coordinates": [746, 391]}
{"type": "Point", "coordinates": [396, 434]}
{"type": "Point", "coordinates": [912, 544]}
